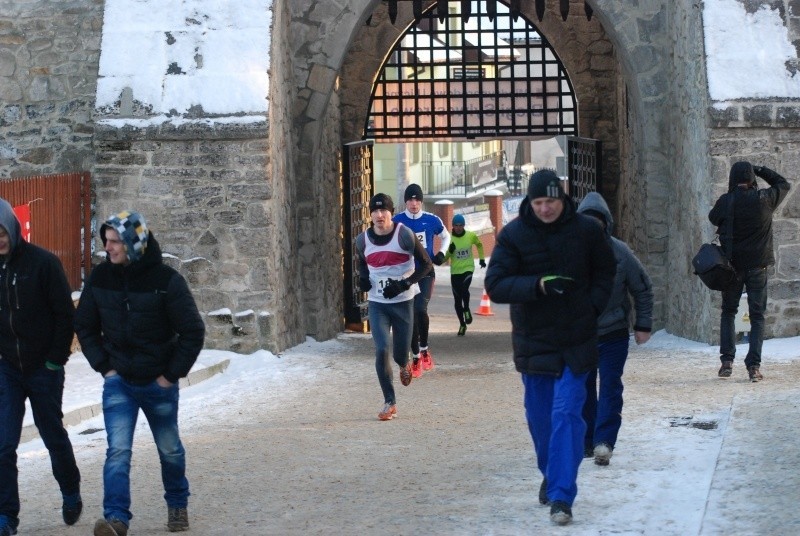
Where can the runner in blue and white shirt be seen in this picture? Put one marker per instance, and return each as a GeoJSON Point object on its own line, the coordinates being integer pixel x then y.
{"type": "Point", "coordinates": [426, 226]}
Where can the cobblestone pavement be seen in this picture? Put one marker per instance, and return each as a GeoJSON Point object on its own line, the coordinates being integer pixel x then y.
{"type": "Point", "coordinates": [306, 454]}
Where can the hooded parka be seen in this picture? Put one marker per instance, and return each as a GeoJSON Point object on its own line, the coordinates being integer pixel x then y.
{"type": "Point", "coordinates": [631, 278]}
{"type": "Point", "coordinates": [139, 319]}
{"type": "Point", "coordinates": [753, 209]}
{"type": "Point", "coordinates": [36, 307]}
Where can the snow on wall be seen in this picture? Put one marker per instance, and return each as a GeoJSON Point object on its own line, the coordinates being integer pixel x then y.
{"type": "Point", "coordinates": [747, 53]}
{"type": "Point", "coordinates": [179, 55]}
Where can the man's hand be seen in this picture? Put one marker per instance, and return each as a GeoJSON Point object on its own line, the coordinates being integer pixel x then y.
{"type": "Point", "coordinates": [555, 285]}
{"type": "Point", "coordinates": [482, 263]}
{"type": "Point", "coordinates": [363, 284]}
{"type": "Point", "coordinates": [438, 259]}
{"type": "Point", "coordinates": [452, 248]}
{"type": "Point", "coordinates": [163, 382]}
{"type": "Point", "coordinates": [394, 288]}
{"type": "Point", "coordinates": [641, 337]}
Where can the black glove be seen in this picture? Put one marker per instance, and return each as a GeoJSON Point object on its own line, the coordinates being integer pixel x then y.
{"type": "Point", "coordinates": [555, 285]}
{"type": "Point", "coordinates": [438, 259]}
{"type": "Point", "coordinates": [363, 284]}
{"type": "Point", "coordinates": [394, 288]}
{"type": "Point", "coordinates": [452, 248]}
{"type": "Point", "coordinates": [482, 263]}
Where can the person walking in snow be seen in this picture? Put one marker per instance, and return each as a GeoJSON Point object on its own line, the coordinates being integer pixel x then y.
{"type": "Point", "coordinates": [752, 210]}
{"type": "Point", "coordinates": [462, 266]}
{"type": "Point", "coordinates": [603, 412]}
{"type": "Point", "coordinates": [426, 226]}
{"type": "Point", "coordinates": [139, 327]}
{"type": "Point", "coordinates": [36, 313]}
{"type": "Point", "coordinates": [391, 261]}
{"type": "Point", "coordinates": [556, 269]}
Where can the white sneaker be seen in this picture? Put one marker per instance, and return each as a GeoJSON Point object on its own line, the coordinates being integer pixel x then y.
{"type": "Point", "coordinates": [602, 454]}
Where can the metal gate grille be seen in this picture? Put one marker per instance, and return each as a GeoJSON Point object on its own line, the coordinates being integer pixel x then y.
{"type": "Point", "coordinates": [584, 159]}
{"type": "Point", "coordinates": [357, 180]}
{"type": "Point", "coordinates": [489, 76]}
{"type": "Point", "coordinates": [60, 209]}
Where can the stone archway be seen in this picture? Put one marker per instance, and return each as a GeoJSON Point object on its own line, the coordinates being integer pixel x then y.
{"type": "Point", "coordinates": [621, 67]}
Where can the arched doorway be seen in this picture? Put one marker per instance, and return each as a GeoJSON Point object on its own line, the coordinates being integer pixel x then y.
{"type": "Point", "coordinates": [609, 80]}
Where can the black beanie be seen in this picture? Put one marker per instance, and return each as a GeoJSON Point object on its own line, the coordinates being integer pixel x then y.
{"type": "Point", "coordinates": [414, 191]}
{"type": "Point", "coordinates": [545, 183]}
{"type": "Point", "coordinates": [381, 201]}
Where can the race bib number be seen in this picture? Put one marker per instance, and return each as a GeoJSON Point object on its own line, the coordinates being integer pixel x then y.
{"type": "Point", "coordinates": [421, 238]}
{"type": "Point", "coordinates": [462, 254]}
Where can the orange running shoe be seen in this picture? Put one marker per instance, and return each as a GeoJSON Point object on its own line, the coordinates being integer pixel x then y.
{"type": "Point", "coordinates": [427, 359]}
{"type": "Point", "coordinates": [405, 374]}
{"type": "Point", "coordinates": [416, 367]}
{"type": "Point", "coordinates": [388, 411]}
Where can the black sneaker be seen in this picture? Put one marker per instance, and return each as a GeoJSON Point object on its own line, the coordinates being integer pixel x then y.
{"type": "Point", "coordinates": [543, 493]}
{"type": "Point", "coordinates": [468, 316]}
{"type": "Point", "coordinates": [560, 513]}
{"type": "Point", "coordinates": [177, 519]}
{"type": "Point", "coordinates": [462, 329]}
{"type": "Point", "coordinates": [71, 513]}
{"type": "Point", "coordinates": [726, 369]}
{"type": "Point", "coordinates": [755, 374]}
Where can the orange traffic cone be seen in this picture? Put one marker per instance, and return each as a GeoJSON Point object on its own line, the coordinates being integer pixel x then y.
{"type": "Point", "coordinates": [486, 306]}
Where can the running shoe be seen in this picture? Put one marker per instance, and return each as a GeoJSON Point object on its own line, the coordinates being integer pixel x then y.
{"type": "Point", "coordinates": [427, 359]}
{"type": "Point", "coordinates": [416, 367]}
{"type": "Point", "coordinates": [388, 412]}
{"type": "Point", "coordinates": [462, 329]}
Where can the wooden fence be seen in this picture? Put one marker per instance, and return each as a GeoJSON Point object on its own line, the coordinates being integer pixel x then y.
{"type": "Point", "coordinates": [60, 216]}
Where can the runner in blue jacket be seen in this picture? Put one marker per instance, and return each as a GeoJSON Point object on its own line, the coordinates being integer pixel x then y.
{"type": "Point", "coordinates": [426, 226]}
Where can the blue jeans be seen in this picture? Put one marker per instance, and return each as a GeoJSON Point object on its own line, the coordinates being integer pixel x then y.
{"type": "Point", "coordinates": [397, 317]}
{"type": "Point", "coordinates": [422, 322]}
{"type": "Point", "coordinates": [603, 414]}
{"type": "Point", "coordinates": [44, 388]}
{"type": "Point", "coordinates": [553, 410]}
{"type": "Point", "coordinates": [755, 281]}
{"type": "Point", "coordinates": [121, 403]}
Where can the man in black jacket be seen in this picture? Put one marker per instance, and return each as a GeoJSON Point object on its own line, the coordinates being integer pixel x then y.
{"type": "Point", "coordinates": [139, 327]}
{"type": "Point", "coordinates": [556, 269]}
{"type": "Point", "coordinates": [35, 336]}
{"type": "Point", "coordinates": [752, 254]}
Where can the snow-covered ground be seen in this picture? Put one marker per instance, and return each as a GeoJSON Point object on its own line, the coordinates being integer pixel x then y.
{"type": "Point", "coordinates": [672, 475]}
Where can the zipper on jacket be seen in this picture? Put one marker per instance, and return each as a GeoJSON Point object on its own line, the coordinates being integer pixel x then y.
{"type": "Point", "coordinates": [11, 312]}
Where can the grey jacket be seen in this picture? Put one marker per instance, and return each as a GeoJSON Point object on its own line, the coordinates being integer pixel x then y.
{"type": "Point", "coordinates": [630, 279]}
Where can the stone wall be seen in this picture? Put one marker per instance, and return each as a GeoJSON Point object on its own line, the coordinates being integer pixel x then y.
{"type": "Point", "coordinates": [49, 52]}
{"type": "Point", "coordinates": [690, 313]}
{"type": "Point", "coordinates": [206, 195]}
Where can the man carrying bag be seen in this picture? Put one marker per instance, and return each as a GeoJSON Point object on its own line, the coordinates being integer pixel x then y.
{"type": "Point", "coordinates": [747, 226]}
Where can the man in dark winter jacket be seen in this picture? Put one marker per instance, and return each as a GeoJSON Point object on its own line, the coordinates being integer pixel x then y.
{"type": "Point", "coordinates": [752, 212]}
{"type": "Point", "coordinates": [556, 268]}
{"type": "Point", "coordinates": [603, 412]}
{"type": "Point", "coordinates": [139, 327]}
{"type": "Point", "coordinates": [35, 336]}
